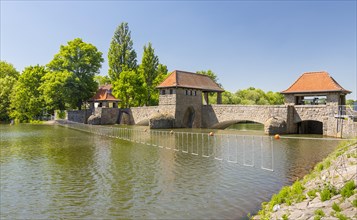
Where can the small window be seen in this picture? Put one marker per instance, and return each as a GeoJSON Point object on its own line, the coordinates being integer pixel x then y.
{"type": "Point", "coordinates": [171, 91]}
{"type": "Point", "coordinates": [195, 92]}
{"type": "Point", "coordinates": [163, 92]}
{"type": "Point", "coordinates": [186, 92]}
{"type": "Point", "coordinates": [191, 92]}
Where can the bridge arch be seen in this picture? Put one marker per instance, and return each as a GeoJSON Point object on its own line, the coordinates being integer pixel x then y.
{"type": "Point", "coordinates": [189, 117]}
{"type": "Point", "coordinates": [310, 127]}
{"type": "Point", "coordinates": [226, 124]}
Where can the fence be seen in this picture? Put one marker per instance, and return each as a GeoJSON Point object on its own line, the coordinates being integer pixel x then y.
{"type": "Point", "coordinates": [244, 150]}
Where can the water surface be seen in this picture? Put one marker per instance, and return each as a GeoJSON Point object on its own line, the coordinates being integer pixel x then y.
{"type": "Point", "coordinates": [56, 172]}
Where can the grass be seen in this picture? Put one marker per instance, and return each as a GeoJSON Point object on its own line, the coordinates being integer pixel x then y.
{"type": "Point", "coordinates": [336, 207]}
{"type": "Point", "coordinates": [348, 189]}
{"type": "Point", "coordinates": [285, 217]}
{"type": "Point", "coordinates": [328, 192]}
{"type": "Point", "coordinates": [318, 214]}
{"type": "Point", "coordinates": [312, 193]}
{"type": "Point", "coordinates": [342, 216]}
{"type": "Point", "coordinates": [354, 203]}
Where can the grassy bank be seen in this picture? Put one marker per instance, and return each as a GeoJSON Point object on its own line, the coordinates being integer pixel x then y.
{"type": "Point", "coordinates": [328, 191]}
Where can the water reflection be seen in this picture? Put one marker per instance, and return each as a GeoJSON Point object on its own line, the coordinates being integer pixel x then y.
{"type": "Point", "coordinates": [56, 172]}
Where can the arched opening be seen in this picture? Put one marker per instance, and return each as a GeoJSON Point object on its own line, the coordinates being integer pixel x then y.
{"type": "Point", "coordinates": [243, 125]}
{"type": "Point", "coordinates": [310, 127]}
{"type": "Point", "coordinates": [124, 118]}
{"type": "Point", "coordinates": [189, 117]}
{"type": "Point", "coordinates": [246, 126]}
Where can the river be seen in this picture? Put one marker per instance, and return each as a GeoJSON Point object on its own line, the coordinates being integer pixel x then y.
{"type": "Point", "coordinates": [56, 172]}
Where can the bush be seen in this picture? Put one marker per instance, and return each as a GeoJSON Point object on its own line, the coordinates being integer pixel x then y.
{"type": "Point", "coordinates": [60, 114]}
{"type": "Point", "coordinates": [347, 189]}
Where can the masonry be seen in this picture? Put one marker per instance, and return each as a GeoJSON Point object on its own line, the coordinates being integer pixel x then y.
{"type": "Point", "coordinates": [184, 103]}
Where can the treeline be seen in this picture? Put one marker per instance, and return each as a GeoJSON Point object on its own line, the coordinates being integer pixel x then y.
{"type": "Point", "coordinates": [71, 78]}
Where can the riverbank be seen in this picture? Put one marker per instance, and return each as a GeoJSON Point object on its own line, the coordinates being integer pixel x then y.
{"type": "Point", "coordinates": [328, 192]}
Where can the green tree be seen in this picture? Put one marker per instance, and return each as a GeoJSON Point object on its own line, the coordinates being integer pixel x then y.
{"type": "Point", "coordinates": [8, 78]}
{"type": "Point", "coordinates": [211, 74]}
{"type": "Point", "coordinates": [26, 99]}
{"type": "Point", "coordinates": [102, 80]}
{"type": "Point", "coordinates": [121, 54]}
{"type": "Point", "coordinates": [55, 89]}
{"type": "Point", "coordinates": [83, 61]}
{"type": "Point", "coordinates": [129, 89]}
{"type": "Point", "coordinates": [161, 76]}
{"type": "Point", "coordinates": [149, 71]}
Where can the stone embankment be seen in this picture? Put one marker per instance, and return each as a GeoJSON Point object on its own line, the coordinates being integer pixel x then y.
{"type": "Point", "coordinates": [328, 192]}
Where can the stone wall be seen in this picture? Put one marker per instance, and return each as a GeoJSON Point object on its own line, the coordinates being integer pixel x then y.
{"type": "Point", "coordinates": [80, 116]}
{"type": "Point", "coordinates": [108, 115]}
{"type": "Point", "coordinates": [213, 115]}
{"type": "Point", "coordinates": [139, 114]}
{"type": "Point", "coordinates": [188, 107]}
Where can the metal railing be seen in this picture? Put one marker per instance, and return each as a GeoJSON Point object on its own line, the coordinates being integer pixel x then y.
{"type": "Point", "coordinates": [245, 150]}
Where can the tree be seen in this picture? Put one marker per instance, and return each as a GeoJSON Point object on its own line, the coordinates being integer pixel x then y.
{"type": "Point", "coordinates": [8, 78]}
{"type": "Point", "coordinates": [26, 99]}
{"type": "Point", "coordinates": [121, 54]}
{"type": "Point", "coordinates": [149, 70]}
{"type": "Point", "coordinates": [129, 89]}
{"type": "Point", "coordinates": [83, 61]}
{"type": "Point", "coordinates": [211, 75]}
{"type": "Point", "coordinates": [55, 89]}
{"type": "Point", "coordinates": [102, 80]}
{"type": "Point", "coordinates": [161, 76]}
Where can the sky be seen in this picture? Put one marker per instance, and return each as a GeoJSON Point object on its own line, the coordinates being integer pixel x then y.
{"type": "Point", "coordinates": [261, 44]}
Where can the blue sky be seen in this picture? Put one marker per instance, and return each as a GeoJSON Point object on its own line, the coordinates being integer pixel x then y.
{"type": "Point", "coordinates": [264, 44]}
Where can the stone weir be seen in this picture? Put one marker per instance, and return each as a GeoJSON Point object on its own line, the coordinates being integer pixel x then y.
{"type": "Point", "coordinates": [280, 119]}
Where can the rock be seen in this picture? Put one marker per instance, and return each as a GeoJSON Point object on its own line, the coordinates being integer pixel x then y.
{"type": "Point", "coordinates": [276, 207]}
{"type": "Point", "coordinates": [275, 125]}
{"type": "Point", "coordinates": [94, 120]}
{"type": "Point", "coordinates": [162, 121]}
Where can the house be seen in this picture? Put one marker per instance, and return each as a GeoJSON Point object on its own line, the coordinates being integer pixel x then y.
{"type": "Point", "coordinates": [104, 98]}
{"type": "Point", "coordinates": [315, 88]}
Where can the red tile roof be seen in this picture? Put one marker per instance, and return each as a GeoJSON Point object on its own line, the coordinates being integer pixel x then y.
{"type": "Point", "coordinates": [315, 82]}
{"type": "Point", "coordinates": [104, 94]}
{"type": "Point", "coordinates": [183, 79]}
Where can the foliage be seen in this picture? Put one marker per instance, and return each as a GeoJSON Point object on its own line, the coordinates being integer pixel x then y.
{"type": "Point", "coordinates": [318, 214]}
{"type": "Point", "coordinates": [55, 89]}
{"type": "Point", "coordinates": [8, 78]}
{"type": "Point", "coordinates": [60, 114]}
{"type": "Point", "coordinates": [354, 203]}
{"type": "Point", "coordinates": [102, 80]}
{"type": "Point", "coordinates": [26, 98]}
{"type": "Point", "coordinates": [328, 192]}
{"type": "Point", "coordinates": [285, 217]}
{"type": "Point", "coordinates": [211, 75]}
{"type": "Point", "coordinates": [121, 54]}
{"type": "Point", "coordinates": [350, 102]}
{"type": "Point", "coordinates": [347, 189]}
{"type": "Point", "coordinates": [341, 216]}
{"type": "Point", "coordinates": [252, 96]}
{"type": "Point", "coordinates": [288, 195]}
{"type": "Point", "coordinates": [129, 88]}
{"type": "Point", "coordinates": [82, 61]}
{"type": "Point", "coordinates": [312, 193]}
{"type": "Point", "coordinates": [336, 207]}
{"type": "Point", "coordinates": [148, 70]}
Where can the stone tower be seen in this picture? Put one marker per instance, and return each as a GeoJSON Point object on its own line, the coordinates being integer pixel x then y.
{"type": "Point", "coordinates": [187, 92]}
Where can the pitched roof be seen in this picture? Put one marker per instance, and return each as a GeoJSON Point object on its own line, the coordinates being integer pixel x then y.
{"type": "Point", "coordinates": [104, 94]}
{"type": "Point", "coordinates": [315, 82]}
{"type": "Point", "coordinates": [183, 79]}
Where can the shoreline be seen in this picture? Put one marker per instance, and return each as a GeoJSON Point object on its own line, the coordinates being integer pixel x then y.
{"type": "Point", "coordinates": [327, 192]}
